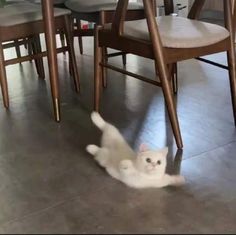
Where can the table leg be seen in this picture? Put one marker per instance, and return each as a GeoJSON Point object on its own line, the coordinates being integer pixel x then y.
{"type": "Point", "coordinates": [48, 16]}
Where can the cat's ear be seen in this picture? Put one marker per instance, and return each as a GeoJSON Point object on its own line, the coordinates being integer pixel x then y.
{"type": "Point", "coordinates": [165, 151]}
{"type": "Point", "coordinates": [143, 148]}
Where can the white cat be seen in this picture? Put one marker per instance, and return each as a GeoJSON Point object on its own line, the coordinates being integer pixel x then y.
{"type": "Point", "coordinates": [143, 170]}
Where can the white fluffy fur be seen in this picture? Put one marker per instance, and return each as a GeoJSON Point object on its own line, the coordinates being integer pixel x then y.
{"type": "Point", "coordinates": [143, 170]}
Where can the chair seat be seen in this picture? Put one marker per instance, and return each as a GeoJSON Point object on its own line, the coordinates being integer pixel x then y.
{"type": "Point", "coordinates": [89, 6]}
{"type": "Point", "coordinates": [178, 32]}
{"type": "Point", "coordinates": [21, 13]}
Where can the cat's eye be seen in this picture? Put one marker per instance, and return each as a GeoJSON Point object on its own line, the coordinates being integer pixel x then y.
{"type": "Point", "coordinates": [148, 160]}
{"type": "Point", "coordinates": [158, 162]}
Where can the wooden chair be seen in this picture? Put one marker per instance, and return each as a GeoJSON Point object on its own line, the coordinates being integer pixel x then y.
{"type": "Point", "coordinates": [99, 12]}
{"type": "Point", "coordinates": [24, 20]}
{"type": "Point", "coordinates": [158, 39]}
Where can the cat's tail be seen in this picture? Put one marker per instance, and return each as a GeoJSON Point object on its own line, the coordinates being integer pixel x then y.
{"type": "Point", "coordinates": [98, 120]}
{"type": "Point", "coordinates": [92, 149]}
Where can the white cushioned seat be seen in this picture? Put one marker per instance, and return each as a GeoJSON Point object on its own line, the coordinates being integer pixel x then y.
{"type": "Point", "coordinates": [89, 6]}
{"type": "Point", "coordinates": [21, 13]}
{"type": "Point", "coordinates": [178, 32]}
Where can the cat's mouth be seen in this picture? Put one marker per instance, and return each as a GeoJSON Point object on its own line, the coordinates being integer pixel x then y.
{"type": "Point", "coordinates": [152, 169]}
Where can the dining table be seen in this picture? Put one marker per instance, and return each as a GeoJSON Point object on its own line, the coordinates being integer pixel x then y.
{"type": "Point", "coordinates": [48, 18]}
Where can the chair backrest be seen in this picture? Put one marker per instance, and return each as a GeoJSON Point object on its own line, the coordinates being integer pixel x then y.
{"type": "Point", "coordinates": [196, 9]}
{"type": "Point", "coordinates": [120, 14]}
{"type": "Point", "coordinates": [228, 7]}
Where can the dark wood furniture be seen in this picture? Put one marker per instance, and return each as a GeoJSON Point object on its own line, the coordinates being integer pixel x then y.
{"type": "Point", "coordinates": [99, 12]}
{"type": "Point", "coordinates": [25, 27]}
{"type": "Point", "coordinates": [161, 43]}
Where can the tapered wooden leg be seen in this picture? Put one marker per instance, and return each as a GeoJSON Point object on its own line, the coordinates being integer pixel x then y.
{"type": "Point", "coordinates": [175, 79]}
{"type": "Point", "coordinates": [230, 25]}
{"type": "Point", "coordinates": [162, 71]}
{"type": "Point", "coordinates": [70, 45]}
{"type": "Point", "coordinates": [52, 55]}
{"type": "Point", "coordinates": [78, 23]}
{"type": "Point", "coordinates": [104, 70]}
{"type": "Point", "coordinates": [170, 104]}
{"type": "Point", "coordinates": [3, 79]}
{"type": "Point", "coordinates": [62, 39]}
{"type": "Point", "coordinates": [30, 49]}
{"type": "Point", "coordinates": [232, 78]}
{"type": "Point", "coordinates": [17, 48]}
{"type": "Point", "coordinates": [97, 70]}
{"type": "Point", "coordinates": [36, 47]}
{"type": "Point", "coordinates": [124, 59]}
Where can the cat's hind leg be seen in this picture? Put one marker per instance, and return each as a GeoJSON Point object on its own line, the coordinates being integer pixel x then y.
{"type": "Point", "coordinates": [92, 149]}
{"type": "Point", "coordinates": [101, 154]}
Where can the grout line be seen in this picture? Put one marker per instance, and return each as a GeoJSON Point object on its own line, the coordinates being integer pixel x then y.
{"type": "Point", "coordinates": [213, 149]}
{"type": "Point", "coordinates": [38, 212]}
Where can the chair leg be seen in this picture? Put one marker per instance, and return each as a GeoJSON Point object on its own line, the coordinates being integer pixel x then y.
{"type": "Point", "coordinates": [97, 70]}
{"type": "Point", "coordinates": [36, 47]}
{"type": "Point", "coordinates": [170, 103]}
{"type": "Point", "coordinates": [232, 78]}
{"type": "Point", "coordinates": [17, 48]}
{"type": "Point", "coordinates": [30, 49]}
{"type": "Point", "coordinates": [72, 58]}
{"type": "Point", "coordinates": [3, 79]}
{"type": "Point", "coordinates": [175, 79]}
{"type": "Point", "coordinates": [124, 59]}
{"type": "Point", "coordinates": [62, 39]}
{"type": "Point", "coordinates": [78, 23]}
{"type": "Point", "coordinates": [104, 70]}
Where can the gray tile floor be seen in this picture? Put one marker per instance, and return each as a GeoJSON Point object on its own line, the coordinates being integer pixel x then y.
{"type": "Point", "coordinates": [49, 184]}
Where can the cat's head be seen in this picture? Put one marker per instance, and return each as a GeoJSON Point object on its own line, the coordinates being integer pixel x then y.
{"type": "Point", "coordinates": [151, 162]}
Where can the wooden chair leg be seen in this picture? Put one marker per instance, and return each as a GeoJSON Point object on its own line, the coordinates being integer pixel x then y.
{"type": "Point", "coordinates": [97, 70]}
{"type": "Point", "coordinates": [175, 79]}
{"type": "Point", "coordinates": [170, 103]}
{"type": "Point", "coordinates": [50, 38]}
{"type": "Point", "coordinates": [3, 79]}
{"type": "Point", "coordinates": [39, 49]}
{"type": "Point", "coordinates": [30, 49]}
{"type": "Point", "coordinates": [124, 59]}
{"type": "Point", "coordinates": [70, 45]}
{"type": "Point", "coordinates": [17, 48]}
{"type": "Point", "coordinates": [62, 39]}
{"type": "Point", "coordinates": [232, 78]}
{"type": "Point", "coordinates": [36, 47]}
{"type": "Point", "coordinates": [78, 23]}
{"type": "Point", "coordinates": [104, 70]}
{"type": "Point", "coordinates": [25, 44]}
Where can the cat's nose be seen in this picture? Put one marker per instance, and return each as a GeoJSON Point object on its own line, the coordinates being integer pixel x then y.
{"type": "Point", "coordinates": [153, 164]}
